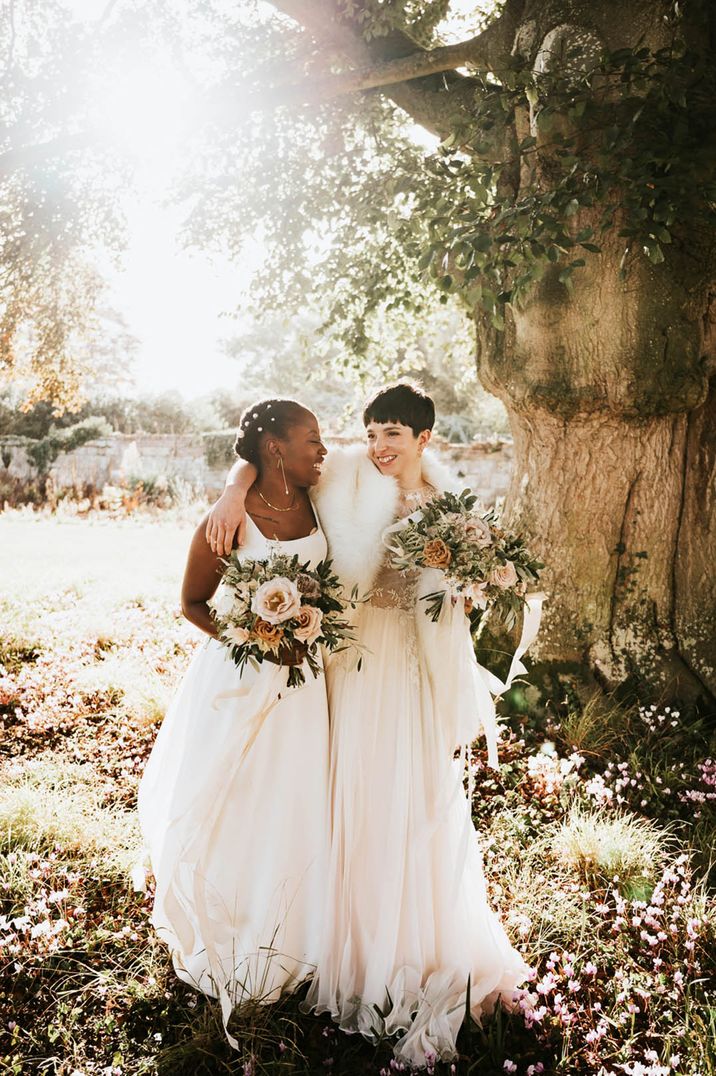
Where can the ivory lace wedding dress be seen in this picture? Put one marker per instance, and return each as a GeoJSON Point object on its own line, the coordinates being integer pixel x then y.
{"type": "Point", "coordinates": [407, 917]}
{"type": "Point", "coordinates": [238, 848]}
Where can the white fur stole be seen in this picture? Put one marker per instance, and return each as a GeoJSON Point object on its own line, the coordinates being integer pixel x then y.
{"type": "Point", "coordinates": [356, 503]}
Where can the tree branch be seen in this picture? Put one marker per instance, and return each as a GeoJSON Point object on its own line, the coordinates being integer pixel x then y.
{"type": "Point", "coordinates": [413, 74]}
{"type": "Point", "coordinates": [404, 69]}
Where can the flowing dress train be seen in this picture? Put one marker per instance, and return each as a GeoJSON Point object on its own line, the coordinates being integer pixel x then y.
{"type": "Point", "coordinates": [407, 918]}
{"type": "Point", "coordinates": [238, 847]}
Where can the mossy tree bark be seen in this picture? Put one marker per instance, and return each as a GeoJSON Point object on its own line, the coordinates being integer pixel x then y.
{"type": "Point", "coordinates": [610, 385]}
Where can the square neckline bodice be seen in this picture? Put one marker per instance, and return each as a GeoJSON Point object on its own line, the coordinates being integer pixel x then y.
{"type": "Point", "coordinates": [312, 547]}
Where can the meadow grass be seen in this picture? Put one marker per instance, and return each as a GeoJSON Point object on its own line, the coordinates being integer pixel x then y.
{"type": "Point", "coordinates": [597, 834]}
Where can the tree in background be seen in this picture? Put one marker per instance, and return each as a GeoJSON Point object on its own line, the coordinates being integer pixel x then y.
{"type": "Point", "coordinates": [567, 196]}
{"type": "Point", "coordinates": [59, 206]}
{"type": "Point", "coordinates": [293, 354]}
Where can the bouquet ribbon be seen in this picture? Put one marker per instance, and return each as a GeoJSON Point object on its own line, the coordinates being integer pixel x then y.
{"type": "Point", "coordinates": [497, 687]}
{"type": "Point", "coordinates": [253, 702]}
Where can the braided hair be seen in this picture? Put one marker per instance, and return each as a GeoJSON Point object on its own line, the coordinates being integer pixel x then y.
{"type": "Point", "coordinates": [274, 416]}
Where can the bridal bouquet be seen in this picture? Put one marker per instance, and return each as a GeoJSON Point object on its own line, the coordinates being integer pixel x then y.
{"type": "Point", "coordinates": [486, 564]}
{"type": "Point", "coordinates": [280, 610]}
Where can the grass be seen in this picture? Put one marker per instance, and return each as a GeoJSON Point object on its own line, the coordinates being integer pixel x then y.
{"type": "Point", "coordinates": [597, 837]}
{"type": "Point", "coordinates": [605, 845]}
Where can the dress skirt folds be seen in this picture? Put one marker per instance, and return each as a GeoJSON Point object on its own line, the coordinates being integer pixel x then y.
{"type": "Point", "coordinates": [407, 917]}
{"type": "Point", "coordinates": [238, 845]}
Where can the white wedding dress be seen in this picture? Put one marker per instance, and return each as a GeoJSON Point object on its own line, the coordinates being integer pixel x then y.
{"type": "Point", "coordinates": [407, 916]}
{"type": "Point", "coordinates": [238, 848]}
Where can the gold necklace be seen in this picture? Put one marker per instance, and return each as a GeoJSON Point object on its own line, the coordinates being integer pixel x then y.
{"type": "Point", "coordinates": [291, 508]}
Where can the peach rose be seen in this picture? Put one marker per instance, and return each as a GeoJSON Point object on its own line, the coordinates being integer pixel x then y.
{"type": "Point", "coordinates": [478, 532]}
{"type": "Point", "coordinates": [309, 624]}
{"type": "Point", "coordinates": [276, 600]}
{"type": "Point", "coordinates": [237, 634]}
{"type": "Point", "coordinates": [270, 634]}
{"type": "Point", "coordinates": [504, 576]}
{"type": "Point", "coordinates": [436, 554]}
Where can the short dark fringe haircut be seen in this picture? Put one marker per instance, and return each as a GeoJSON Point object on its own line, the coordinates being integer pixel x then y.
{"type": "Point", "coordinates": [402, 402]}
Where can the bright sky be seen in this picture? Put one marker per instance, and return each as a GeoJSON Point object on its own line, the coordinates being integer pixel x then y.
{"type": "Point", "coordinates": [176, 303]}
{"type": "Point", "coordinates": [173, 303]}
{"type": "Point", "coordinates": [173, 300]}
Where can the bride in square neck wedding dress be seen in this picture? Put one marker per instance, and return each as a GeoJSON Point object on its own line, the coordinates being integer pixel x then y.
{"type": "Point", "coordinates": [238, 845]}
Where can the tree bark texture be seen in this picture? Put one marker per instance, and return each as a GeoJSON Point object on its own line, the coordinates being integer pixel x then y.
{"type": "Point", "coordinates": [610, 388]}
{"type": "Point", "coordinates": [611, 392]}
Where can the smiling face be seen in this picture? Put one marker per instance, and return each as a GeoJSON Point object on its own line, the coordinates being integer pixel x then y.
{"type": "Point", "coordinates": [303, 450]}
{"type": "Point", "coordinates": [394, 448]}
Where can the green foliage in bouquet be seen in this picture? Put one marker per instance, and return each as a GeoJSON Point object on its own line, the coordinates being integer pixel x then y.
{"type": "Point", "coordinates": [483, 562]}
{"type": "Point", "coordinates": [281, 610]}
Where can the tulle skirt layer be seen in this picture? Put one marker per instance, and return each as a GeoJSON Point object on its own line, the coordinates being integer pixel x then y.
{"type": "Point", "coordinates": [407, 918]}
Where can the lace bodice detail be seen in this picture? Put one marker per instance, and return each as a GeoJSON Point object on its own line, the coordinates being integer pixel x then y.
{"type": "Point", "coordinates": [395, 589]}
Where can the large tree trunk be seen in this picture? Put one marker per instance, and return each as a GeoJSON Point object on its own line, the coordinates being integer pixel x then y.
{"type": "Point", "coordinates": [610, 388]}
{"type": "Point", "coordinates": [611, 393]}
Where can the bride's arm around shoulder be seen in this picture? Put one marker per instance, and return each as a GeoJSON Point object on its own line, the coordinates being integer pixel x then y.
{"type": "Point", "coordinates": [227, 518]}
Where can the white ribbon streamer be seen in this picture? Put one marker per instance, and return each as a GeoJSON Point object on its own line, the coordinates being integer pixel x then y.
{"type": "Point", "coordinates": [490, 685]}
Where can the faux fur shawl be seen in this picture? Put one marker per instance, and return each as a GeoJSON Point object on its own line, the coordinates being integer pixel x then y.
{"type": "Point", "coordinates": [355, 503]}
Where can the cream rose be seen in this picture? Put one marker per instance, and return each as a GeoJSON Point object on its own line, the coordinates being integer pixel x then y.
{"type": "Point", "coordinates": [309, 624]}
{"type": "Point", "coordinates": [276, 600]}
{"type": "Point", "coordinates": [237, 634]}
{"type": "Point", "coordinates": [478, 532]}
{"type": "Point", "coordinates": [223, 601]}
{"type": "Point", "coordinates": [505, 576]}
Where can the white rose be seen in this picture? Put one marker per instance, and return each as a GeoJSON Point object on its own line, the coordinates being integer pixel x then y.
{"type": "Point", "coordinates": [505, 576]}
{"type": "Point", "coordinates": [309, 624]}
{"type": "Point", "coordinates": [237, 634]}
{"type": "Point", "coordinates": [276, 600]}
{"type": "Point", "coordinates": [476, 593]}
{"type": "Point", "coordinates": [223, 601]}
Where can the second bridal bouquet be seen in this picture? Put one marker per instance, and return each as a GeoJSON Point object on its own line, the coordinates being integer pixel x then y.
{"type": "Point", "coordinates": [280, 610]}
{"type": "Point", "coordinates": [486, 564]}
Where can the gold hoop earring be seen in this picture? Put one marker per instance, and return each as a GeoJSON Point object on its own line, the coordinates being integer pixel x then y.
{"type": "Point", "coordinates": [283, 475]}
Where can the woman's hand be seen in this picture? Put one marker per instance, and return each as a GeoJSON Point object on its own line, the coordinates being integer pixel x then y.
{"type": "Point", "coordinates": [226, 519]}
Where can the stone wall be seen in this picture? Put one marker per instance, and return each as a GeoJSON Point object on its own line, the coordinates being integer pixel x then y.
{"type": "Point", "coordinates": [485, 465]}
